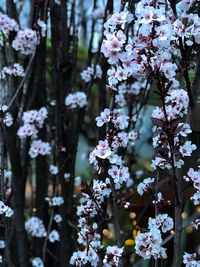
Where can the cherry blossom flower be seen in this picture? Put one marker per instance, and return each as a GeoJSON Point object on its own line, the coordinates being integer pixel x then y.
{"type": "Point", "coordinates": [35, 116]}
{"type": "Point", "coordinates": [25, 41]}
{"type": "Point", "coordinates": [55, 201]}
{"type": "Point", "coordinates": [54, 236]}
{"type": "Point", "coordinates": [117, 19]}
{"type": "Point", "coordinates": [57, 218]}
{"type": "Point", "coordinates": [187, 148]}
{"type": "Point", "coordinates": [145, 185]}
{"type": "Point", "coordinates": [162, 221]}
{"type": "Point", "coordinates": [8, 119]}
{"type": "Point", "coordinates": [79, 258]}
{"type": "Point", "coordinates": [16, 70]}
{"type": "Point", "coordinates": [190, 260]}
{"type": "Point", "coordinates": [121, 122]}
{"type": "Point", "coordinates": [27, 130]}
{"type": "Point", "coordinates": [104, 117]}
{"type": "Point", "coordinates": [39, 148]}
{"type": "Point", "coordinates": [7, 24]}
{"type": "Point", "coordinates": [88, 233]}
{"type": "Point", "coordinates": [113, 255]}
{"type": "Point", "coordinates": [196, 198]}
{"type": "Point", "coordinates": [4, 209]}
{"type": "Point", "coordinates": [32, 119]}
{"type": "Point", "coordinates": [53, 169]}
{"type": "Point", "coordinates": [87, 74]}
{"type": "Point", "coordinates": [119, 175]}
{"type": "Point", "coordinates": [184, 129]}
{"type": "Point", "coordinates": [149, 245]}
{"type": "Point", "coordinates": [76, 100]}
{"type": "Point", "coordinates": [102, 150]}
{"type": "Point", "coordinates": [151, 14]}
{"type": "Point", "coordinates": [193, 176]}
{"type": "Point", "coordinates": [37, 262]}
{"type": "Point", "coordinates": [35, 227]}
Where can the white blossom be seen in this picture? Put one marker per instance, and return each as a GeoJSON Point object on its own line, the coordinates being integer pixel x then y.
{"type": "Point", "coordinates": [37, 262]}
{"type": "Point", "coordinates": [57, 218]}
{"type": "Point", "coordinates": [35, 227]}
{"type": "Point", "coordinates": [39, 148]}
{"type": "Point", "coordinates": [149, 245]}
{"type": "Point", "coordinates": [145, 185]}
{"type": "Point", "coordinates": [25, 41]}
{"type": "Point", "coordinates": [190, 260]}
{"type": "Point", "coordinates": [54, 236]}
{"type": "Point", "coordinates": [55, 201]}
{"type": "Point", "coordinates": [90, 72]}
{"type": "Point", "coordinates": [7, 24]}
{"type": "Point", "coordinates": [53, 169]}
{"type": "Point", "coordinates": [76, 100]}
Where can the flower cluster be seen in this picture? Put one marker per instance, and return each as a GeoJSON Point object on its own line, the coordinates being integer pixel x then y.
{"type": "Point", "coordinates": [38, 147]}
{"type": "Point", "coordinates": [91, 72]}
{"type": "Point", "coordinates": [25, 41]}
{"type": "Point", "coordinates": [16, 70]}
{"type": "Point", "coordinates": [55, 201]}
{"type": "Point", "coordinates": [5, 210]}
{"type": "Point", "coordinates": [162, 221]}
{"type": "Point", "coordinates": [137, 63]}
{"type": "Point", "coordinates": [86, 212]}
{"type": "Point", "coordinates": [187, 27]}
{"type": "Point", "coordinates": [35, 227]}
{"type": "Point", "coordinates": [145, 185]}
{"type": "Point", "coordinates": [171, 116]}
{"type": "Point", "coordinates": [130, 90]}
{"type": "Point", "coordinates": [113, 256]}
{"type": "Point", "coordinates": [80, 258]}
{"type": "Point", "coordinates": [8, 119]}
{"type": "Point", "coordinates": [149, 245]}
{"type": "Point", "coordinates": [149, 52]}
{"type": "Point", "coordinates": [120, 121]}
{"type": "Point", "coordinates": [194, 177]}
{"type": "Point", "coordinates": [6, 116]}
{"type": "Point", "coordinates": [76, 100]}
{"type": "Point", "coordinates": [7, 24]}
{"type": "Point", "coordinates": [119, 174]}
{"type": "Point", "coordinates": [32, 120]}
{"type": "Point", "coordinates": [115, 38]}
{"type": "Point", "coordinates": [117, 171]}
{"type": "Point", "coordinates": [129, 58]}
{"type": "Point", "coordinates": [190, 260]}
